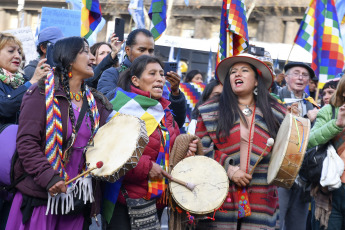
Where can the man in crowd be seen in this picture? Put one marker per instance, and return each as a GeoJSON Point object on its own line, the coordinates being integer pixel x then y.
{"type": "Point", "coordinates": [293, 203]}
{"type": "Point", "coordinates": [140, 42]}
{"type": "Point", "coordinates": [46, 36]}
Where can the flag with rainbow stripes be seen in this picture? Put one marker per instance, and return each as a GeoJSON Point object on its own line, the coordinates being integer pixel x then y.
{"type": "Point", "coordinates": [91, 16]}
{"type": "Point", "coordinates": [233, 29]}
{"type": "Point", "coordinates": [319, 34]}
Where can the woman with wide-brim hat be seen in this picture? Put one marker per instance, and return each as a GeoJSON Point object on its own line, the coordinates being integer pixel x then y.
{"type": "Point", "coordinates": [234, 129]}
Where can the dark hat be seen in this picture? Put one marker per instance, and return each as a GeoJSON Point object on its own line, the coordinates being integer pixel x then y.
{"type": "Point", "coordinates": [224, 66]}
{"type": "Point", "coordinates": [304, 65]}
{"type": "Point", "coordinates": [51, 34]}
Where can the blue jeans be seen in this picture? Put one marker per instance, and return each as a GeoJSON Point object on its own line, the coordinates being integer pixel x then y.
{"type": "Point", "coordinates": [337, 218]}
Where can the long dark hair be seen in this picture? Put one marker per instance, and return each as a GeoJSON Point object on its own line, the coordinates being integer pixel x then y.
{"type": "Point", "coordinates": [65, 53]}
{"type": "Point", "coordinates": [204, 96]}
{"type": "Point", "coordinates": [191, 74]}
{"type": "Point", "coordinates": [137, 68]}
{"type": "Point", "coordinates": [229, 110]}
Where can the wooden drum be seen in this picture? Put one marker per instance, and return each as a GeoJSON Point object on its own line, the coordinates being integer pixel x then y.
{"type": "Point", "coordinates": [210, 180]}
{"type": "Point", "coordinates": [119, 144]}
{"type": "Point", "coordinates": [288, 151]}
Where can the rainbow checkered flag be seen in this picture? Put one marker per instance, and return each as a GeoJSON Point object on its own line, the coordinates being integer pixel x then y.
{"type": "Point", "coordinates": [91, 16]}
{"type": "Point", "coordinates": [233, 29]}
{"type": "Point", "coordinates": [147, 109]}
{"type": "Point", "coordinates": [319, 34]}
{"type": "Point", "coordinates": [158, 16]}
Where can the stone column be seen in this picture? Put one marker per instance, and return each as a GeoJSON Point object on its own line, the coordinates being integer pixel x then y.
{"type": "Point", "coordinates": [260, 30]}
{"type": "Point", "coordinates": [28, 19]}
{"type": "Point", "coordinates": [3, 20]}
{"type": "Point", "coordinates": [174, 27]}
{"type": "Point", "coordinates": [291, 29]}
{"type": "Point", "coordinates": [273, 29]}
{"type": "Point", "coordinates": [202, 28]}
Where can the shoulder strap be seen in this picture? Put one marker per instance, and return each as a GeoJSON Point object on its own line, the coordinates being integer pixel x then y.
{"type": "Point", "coordinates": [81, 114]}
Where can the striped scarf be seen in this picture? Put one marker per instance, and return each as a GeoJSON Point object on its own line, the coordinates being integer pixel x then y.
{"type": "Point", "coordinates": [157, 187]}
{"type": "Point", "coordinates": [54, 139]}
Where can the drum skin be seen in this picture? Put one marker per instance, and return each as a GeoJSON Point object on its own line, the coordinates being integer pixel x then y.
{"type": "Point", "coordinates": [288, 151]}
{"type": "Point", "coordinates": [119, 144]}
{"type": "Point", "coordinates": [210, 180]}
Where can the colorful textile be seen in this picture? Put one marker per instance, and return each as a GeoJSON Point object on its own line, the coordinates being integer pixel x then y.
{"type": "Point", "coordinates": [157, 187]}
{"type": "Point", "coordinates": [192, 92]}
{"type": "Point", "coordinates": [13, 80]}
{"type": "Point", "coordinates": [319, 34]}
{"type": "Point", "coordinates": [262, 197]}
{"type": "Point", "coordinates": [157, 14]}
{"type": "Point", "coordinates": [53, 149]}
{"type": "Point", "coordinates": [147, 109]}
{"type": "Point", "coordinates": [243, 203]}
{"type": "Point", "coordinates": [233, 29]}
{"type": "Point", "coordinates": [91, 16]}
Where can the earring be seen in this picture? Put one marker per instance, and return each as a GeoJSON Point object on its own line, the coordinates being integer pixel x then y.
{"type": "Point", "coordinates": [255, 91]}
{"type": "Point", "coordinates": [70, 74]}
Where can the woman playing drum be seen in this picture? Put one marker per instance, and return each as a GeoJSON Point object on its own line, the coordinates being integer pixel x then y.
{"type": "Point", "coordinates": [234, 129]}
{"type": "Point", "coordinates": [144, 81]}
{"type": "Point", "coordinates": [51, 140]}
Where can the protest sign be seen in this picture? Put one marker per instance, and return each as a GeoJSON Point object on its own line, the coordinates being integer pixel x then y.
{"type": "Point", "coordinates": [69, 21]}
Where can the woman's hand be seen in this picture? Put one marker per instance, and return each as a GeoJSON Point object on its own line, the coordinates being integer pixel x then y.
{"type": "Point", "coordinates": [59, 187]}
{"type": "Point", "coordinates": [174, 80]}
{"type": "Point", "coordinates": [192, 148]}
{"type": "Point", "coordinates": [115, 45]}
{"type": "Point", "coordinates": [340, 122]}
{"type": "Point", "coordinates": [241, 178]}
{"type": "Point", "coordinates": [312, 114]}
{"type": "Point", "coordinates": [41, 70]}
{"type": "Point", "coordinates": [157, 173]}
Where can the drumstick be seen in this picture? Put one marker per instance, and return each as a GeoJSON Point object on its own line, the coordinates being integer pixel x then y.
{"type": "Point", "coordinates": [188, 185]}
{"type": "Point", "coordinates": [270, 142]}
{"type": "Point", "coordinates": [99, 164]}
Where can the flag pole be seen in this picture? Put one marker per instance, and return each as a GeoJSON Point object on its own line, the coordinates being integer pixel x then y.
{"type": "Point", "coordinates": [287, 60]}
{"type": "Point", "coordinates": [317, 93]}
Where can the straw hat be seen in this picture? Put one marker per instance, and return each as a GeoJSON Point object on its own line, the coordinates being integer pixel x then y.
{"type": "Point", "coordinates": [263, 70]}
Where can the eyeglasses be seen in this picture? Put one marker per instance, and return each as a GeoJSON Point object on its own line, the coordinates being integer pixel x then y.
{"type": "Point", "coordinates": [297, 75]}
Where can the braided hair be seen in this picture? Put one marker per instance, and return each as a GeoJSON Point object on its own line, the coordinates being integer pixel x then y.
{"type": "Point", "coordinates": [65, 52]}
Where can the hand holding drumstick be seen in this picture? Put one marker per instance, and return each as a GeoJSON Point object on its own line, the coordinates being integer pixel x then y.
{"type": "Point", "coordinates": [270, 142]}
{"type": "Point", "coordinates": [99, 164]}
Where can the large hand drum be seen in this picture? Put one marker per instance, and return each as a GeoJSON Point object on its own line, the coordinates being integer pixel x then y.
{"type": "Point", "coordinates": [119, 144]}
{"type": "Point", "coordinates": [288, 151]}
{"type": "Point", "coordinates": [210, 180]}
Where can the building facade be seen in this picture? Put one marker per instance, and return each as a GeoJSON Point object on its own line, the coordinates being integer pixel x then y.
{"type": "Point", "coordinates": [272, 21]}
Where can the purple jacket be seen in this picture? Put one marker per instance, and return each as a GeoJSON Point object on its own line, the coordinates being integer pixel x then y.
{"type": "Point", "coordinates": [31, 140]}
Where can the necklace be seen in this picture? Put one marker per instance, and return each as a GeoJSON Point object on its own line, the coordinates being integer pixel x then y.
{"type": "Point", "coordinates": [247, 111]}
{"type": "Point", "coordinates": [76, 96]}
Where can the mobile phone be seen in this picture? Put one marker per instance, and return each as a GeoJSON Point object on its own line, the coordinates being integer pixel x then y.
{"type": "Point", "coordinates": [119, 28]}
{"type": "Point", "coordinates": [170, 66]}
{"type": "Point", "coordinates": [258, 51]}
{"type": "Point", "coordinates": [49, 55]}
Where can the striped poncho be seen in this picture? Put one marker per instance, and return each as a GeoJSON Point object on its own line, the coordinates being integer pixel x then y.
{"type": "Point", "coordinates": [263, 198]}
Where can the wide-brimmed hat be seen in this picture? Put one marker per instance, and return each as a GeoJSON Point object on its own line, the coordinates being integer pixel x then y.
{"type": "Point", "coordinates": [263, 70]}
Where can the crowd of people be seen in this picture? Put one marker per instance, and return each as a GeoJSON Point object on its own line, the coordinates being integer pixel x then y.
{"type": "Point", "coordinates": [60, 100]}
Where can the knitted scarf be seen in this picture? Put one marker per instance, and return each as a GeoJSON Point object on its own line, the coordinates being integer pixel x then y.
{"type": "Point", "coordinates": [13, 80]}
{"type": "Point", "coordinates": [54, 139]}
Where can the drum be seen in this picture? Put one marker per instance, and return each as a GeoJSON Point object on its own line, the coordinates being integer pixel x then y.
{"type": "Point", "coordinates": [8, 135]}
{"type": "Point", "coordinates": [119, 144]}
{"type": "Point", "coordinates": [210, 180]}
{"type": "Point", "coordinates": [288, 151]}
